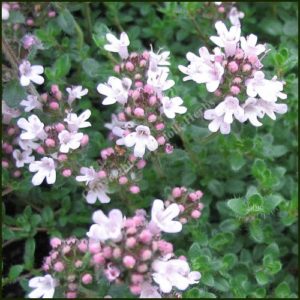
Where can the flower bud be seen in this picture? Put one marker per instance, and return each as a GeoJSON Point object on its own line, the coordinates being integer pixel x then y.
{"type": "Point", "coordinates": [84, 140]}
{"type": "Point", "coordinates": [134, 189]}
{"type": "Point", "coordinates": [141, 164]}
{"type": "Point", "coordinates": [195, 214]}
{"type": "Point", "coordinates": [233, 67]}
{"type": "Point", "coordinates": [87, 279]}
{"type": "Point", "coordinates": [54, 105]}
{"type": "Point", "coordinates": [235, 90]}
{"type": "Point", "coordinates": [160, 126]}
{"type": "Point", "coordinates": [50, 143]}
{"type": "Point", "coordinates": [55, 242]}
{"type": "Point", "coordinates": [123, 180]}
{"type": "Point", "coordinates": [161, 140]}
{"type": "Point", "coordinates": [152, 118]}
{"type": "Point", "coordinates": [59, 266]}
{"type": "Point", "coordinates": [139, 112]}
{"type": "Point", "coordinates": [66, 173]}
{"type": "Point", "coordinates": [129, 261]}
{"type": "Point", "coordinates": [129, 66]}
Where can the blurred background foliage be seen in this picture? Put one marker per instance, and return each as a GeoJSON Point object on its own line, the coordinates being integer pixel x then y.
{"type": "Point", "coordinates": [245, 243]}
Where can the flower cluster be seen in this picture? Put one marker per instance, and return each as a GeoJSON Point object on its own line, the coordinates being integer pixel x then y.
{"type": "Point", "coordinates": [121, 249]}
{"type": "Point", "coordinates": [230, 11]}
{"type": "Point", "coordinates": [235, 76]}
{"type": "Point", "coordinates": [139, 122]}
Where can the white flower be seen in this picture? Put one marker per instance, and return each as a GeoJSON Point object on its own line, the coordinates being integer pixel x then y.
{"type": "Point", "coordinates": [141, 139]}
{"type": "Point", "coordinates": [116, 45]}
{"type": "Point", "coordinates": [69, 140]}
{"type": "Point", "coordinates": [22, 157]}
{"type": "Point", "coordinates": [31, 103]}
{"type": "Point", "coordinates": [203, 69]}
{"type": "Point", "coordinates": [34, 128]}
{"type": "Point", "coordinates": [8, 113]}
{"type": "Point", "coordinates": [235, 16]}
{"type": "Point", "coordinates": [163, 218]}
{"type": "Point", "coordinates": [5, 11]}
{"type": "Point", "coordinates": [159, 81]}
{"type": "Point", "coordinates": [149, 291]}
{"type": "Point", "coordinates": [43, 287]}
{"type": "Point", "coordinates": [75, 122]}
{"type": "Point", "coordinates": [115, 90]}
{"type": "Point", "coordinates": [227, 39]}
{"type": "Point", "coordinates": [27, 145]}
{"type": "Point", "coordinates": [171, 106]}
{"type": "Point", "coordinates": [270, 108]}
{"type": "Point", "coordinates": [45, 168]}
{"type": "Point", "coordinates": [252, 111]}
{"type": "Point", "coordinates": [76, 92]}
{"type": "Point", "coordinates": [228, 108]}
{"type": "Point", "coordinates": [249, 46]}
{"type": "Point", "coordinates": [217, 122]}
{"type": "Point", "coordinates": [89, 174]}
{"type": "Point", "coordinates": [156, 60]}
{"type": "Point", "coordinates": [268, 90]}
{"type": "Point", "coordinates": [175, 272]}
{"type": "Point", "coordinates": [106, 228]}
{"type": "Point", "coordinates": [97, 190]}
{"type": "Point", "coordinates": [30, 73]}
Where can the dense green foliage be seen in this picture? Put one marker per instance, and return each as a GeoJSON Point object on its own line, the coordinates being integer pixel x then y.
{"type": "Point", "coordinates": [245, 243]}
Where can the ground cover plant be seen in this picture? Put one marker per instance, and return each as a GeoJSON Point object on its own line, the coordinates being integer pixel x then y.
{"type": "Point", "coordinates": [149, 150]}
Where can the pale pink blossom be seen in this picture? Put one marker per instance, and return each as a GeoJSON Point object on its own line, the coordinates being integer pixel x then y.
{"type": "Point", "coordinates": [119, 46]}
{"type": "Point", "coordinates": [234, 16]}
{"type": "Point", "coordinates": [217, 122]}
{"type": "Point", "coordinates": [33, 128]}
{"type": "Point", "coordinates": [30, 73]}
{"type": "Point", "coordinates": [97, 190]}
{"type": "Point", "coordinates": [22, 158]}
{"type": "Point", "coordinates": [252, 111]}
{"type": "Point", "coordinates": [249, 46]}
{"type": "Point", "coordinates": [45, 168]}
{"type": "Point", "coordinates": [149, 291]}
{"type": "Point", "coordinates": [9, 113]}
{"type": "Point", "coordinates": [270, 108]}
{"type": "Point", "coordinates": [31, 103]}
{"type": "Point", "coordinates": [75, 92]}
{"type": "Point", "coordinates": [44, 287]}
{"type": "Point", "coordinates": [171, 106]}
{"type": "Point", "coordinates": [75, 122]}
{"type": "Point", "coordinates": [88, 175]}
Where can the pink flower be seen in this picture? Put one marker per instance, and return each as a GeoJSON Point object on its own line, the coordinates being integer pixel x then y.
{"type": "Point", "coordinates": [249, 46]}
{"type": "Point", "coordinates": [217, 122]}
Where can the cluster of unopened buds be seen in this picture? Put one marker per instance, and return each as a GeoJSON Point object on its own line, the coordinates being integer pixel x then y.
{"type": "Point", "coordinates": [235, 76]}
{"type": "Point", "coordinates": [124, 250]}
{"type": "Point", "coordinates": [140, 121]}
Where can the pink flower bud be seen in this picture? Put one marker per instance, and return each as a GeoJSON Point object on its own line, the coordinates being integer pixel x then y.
{"type": "Point", "coordinates": [169, 148]}
{"type": "Point", "coordinates": [148, 89]}
{"type": "Point", "coordinates": [129, 66]}
{"type": "Point", "coordinates": [161, 140]}
{"type": "Point", "coordinates": [193, 197]}
{"type": "Point", "coordinates": [17, 174]}
{"type": "Point", "coordinates": [99, 259]}
{"type": "Point", "coordinates": [44, 97]}
{"type": "Point", "coordinates": [146, 55]}
{"type": "Point", "coordinates": [102, 174]}
{"type": "Point", "coordinates": [11, 131]}
{"type": "Point", "coordinates": [137, 278]}
{"type": "Point", "coordinates": [71, 295]}
{"type": "Point", "coordinates": [66, 173]}
{"type": "Point", "coordinates": [40, 150]}
{"type": "Point", "coordinates": [82, 246]}
{"type": "Point", "coordinates": [139, 112]}
{"type": "Point", "coordinates": [78, 263]}
{"type": "Point", "coordinates": [59, 266]}
{"type": "Point", "coordinates": [200, 206]}
{"type": "Point", "coordinates": [51, 14]}
{"type": "Point", "coordinates": [135, 95]}
{"type": "Point", "coordinates": [130, 242]}
{"type": "Point", "coordinates": [128, 110]}
{"type": "Point", "coordinates": [145, 236]}
{"type": "Point", "coordinates": [218, 93]}
{"type": "Point", "coordinates": [239, 53]}
{"type": "Point", "coordinates": [182, 257]}
{"type": "Point", "coordinates": [160, 126]}
{"type": "Point", "coordinates": [54, 88]}
{"type": "Point", "coordinates": [107, 252]}
{"type": "Point", "coordinates": [143, 63]}
{"type": "Point", "coordinates": [131, 230]}
{"type": "Point", "coordinates": [176, 192]}
{"type": "Point", "coordinates": [152, 100]}
{"type": "Point", "coordinates": [195, 214]}
{"type": "Point", "coordinates": [141, 164]}
{"type": "Point", "coordinates": [121, 116]}
{"type": "Point", "coordinates": [235, 90]}
{"type": "Point", "coordinates": [50, 143]}
{"type": "Point", "coordinates": [146, 254]}
{"type": "Point", "coordinates": [221, 9]}
{"type": "Point", "coordinates": [66, 249]}
{"type": "Point", "coordinates": [152, 118]}
{"type": "Point", "coordinates": [233, 67]}
{"type": "Point", "coordinates": [181, 208]}
{"type": "Point", "coordinates": [62, 157]}
{"type": "Point", "coordinates": [85, 140]}
{"type": "Point", "coordinates": [117, 252]}
{"type": "Point", "coordinates": [94, 247]}
{"type": "Point", "coordinates": [138, 84]}
{"type": "Point", "coordinates": [9, 149]}
{"type": "Point", "coordinates": [58, 95]}
{"type": "Point", "coordinates": [237, 80]}
{"type": "Point", "coordinates": [129, 261]}
{"type": "Point", "coordinates": [54, 105]}
{"type": "Point", "coordinates": [55, 242]}
{"type": "Point", "coordinates": [59, 127]}
{"type": "Point", "coordinates": [30, 22]}
{"type": "Point", "coordinates": [117, 68]}
{"type": "Point", "coordinates": [199, 194]}
{"type": "Point", "coordinates": [135, 289]}
{"type": "Point", "coordinates": [87, 278]}
{"type": "Point", "coordinates": [142, 268]}
{"type": "Point", "coordinates": [123, 180]}
{"type": "Point", "coordinates": [165, 247]}
{"type": "Point", "coordinates": [252, 59]}
{"type": "Point", "coordinates": [134, 189]}
{"type": "Point", "coordinates": [246, 68]}
{"type": "Point", "coordinates": [132, 158]}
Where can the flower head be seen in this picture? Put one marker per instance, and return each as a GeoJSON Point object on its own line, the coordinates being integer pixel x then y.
{"type": "Point", "coordinates": [249, 46]}
{"type": "Point", "coordinates": [75, 92]}
{"type": "Point", "coordinates": [34, 128]}
{"type": "Point", "coordinates": [142, 139]}
{"type": "Point", "coordinates": [75, 122]}
{"type": "Point", "coordinates": [97, 190]}
{"type": "Point", "coordinates": [22, 158]}
{"type": "Point", "coordinates": [149, 291]}
{"type": "Point", "coordinates": [234, 16]}
{"type": "Point", "coordinates": [116, 45]}
{"type": "Point", "coordinates": [43, 287]}
{"type": "Point", "coordinates": [69, 140]}
{"type": "Point", "coordinates": [31, 103]}
{"type": "Point", "coordinates": [171, 106]}
{"type": "Point", "coordinates": [30, 73]}
{"type": "Point", "coordinates": [163, 218]}
{"type": "Point", "coordinates": [217, 122]}
{"type": "Point", "coordinates": [45, 168]}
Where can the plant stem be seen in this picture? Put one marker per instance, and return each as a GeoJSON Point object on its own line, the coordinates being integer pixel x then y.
{"type": "Point", "coordinates": [87, 14]}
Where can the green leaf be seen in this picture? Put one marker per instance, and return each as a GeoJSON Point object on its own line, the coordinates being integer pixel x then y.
{"type": "Point", "coordinates": [13, 93]}
{"type": "Point", "coordinates": [256, 231]}
{"type": "Point", "coordinates": [66, 22]}
{"type": "Point", "coordinates": [220, 240]}
{"type": "Point", "coordinates": [236, 161]}
{"type": "Point", "coordinates": [207, 279]}
{"type": "Point", "coordinates": [271, 266]}
{"type": "Point", "coordinates": [238, 206]}
{"type": "Point", "coordinates": [230, 225]}
{"type": "Point", "coordinates": [262, 278]}
{"type": "Point", "coordinates": [62, 66]}
{"type": "Point", "coordinates": [272, 250]}
{"type": "Point", "coordinates": [282, 290]}
{"type": "Point", "coordinates": [290, 28]}
{"type": "Point", "coordinates": [229, 261]}
{"type": "Point", "coordinates": [91, 67]}
{"type": "Point", "coordinates": [15, 271]}
{"type": "Point", "coordinates": [271, 202]}
{"type": "Point", "coordinates": [47, 214]}
{"type": "Point", "coordinates": [194, 251]}
{"type": "Point", "coordinates": [29, 253]}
